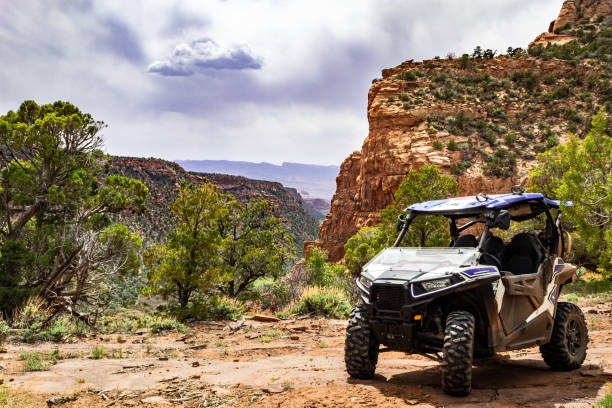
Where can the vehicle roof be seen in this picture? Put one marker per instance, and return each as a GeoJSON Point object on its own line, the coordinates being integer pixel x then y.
{"type": "Point", "coordinates": [471, 205]}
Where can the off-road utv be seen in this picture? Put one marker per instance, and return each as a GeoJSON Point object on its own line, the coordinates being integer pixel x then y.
{"type": "Point", "coordinates": [476, 297]}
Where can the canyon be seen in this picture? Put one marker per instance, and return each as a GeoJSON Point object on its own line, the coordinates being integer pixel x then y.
{"type": "Point", "coordinates": [163, 177]}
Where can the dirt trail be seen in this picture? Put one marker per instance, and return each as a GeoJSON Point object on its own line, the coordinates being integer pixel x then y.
{"type": "Point", "coordinates": [295, 364]}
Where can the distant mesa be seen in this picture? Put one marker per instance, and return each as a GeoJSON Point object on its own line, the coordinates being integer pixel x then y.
{"type": "Point", "coordinates": [311, 180]}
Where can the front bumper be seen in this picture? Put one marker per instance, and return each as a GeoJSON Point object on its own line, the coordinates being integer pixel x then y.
{"type": "Point", "coordinates": [391, 313]}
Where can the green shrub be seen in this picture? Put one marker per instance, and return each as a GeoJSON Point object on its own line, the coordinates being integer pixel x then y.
{"type": "Point", "coordinates": [457, 169]}
{"type": "Point", "coordinates": [571, 115]}
{"type": "Point", "coordinates": [164, 324]}
{"type": "Point", "coordinates": [548, 97]}
{"type": "Point", "coordinates": [322, 273]}
{"type": "Point", "coordinates": [123, 321]}
{"type": "Point", "coordinates": [489, 137]}
{"type": "Point", "coordinates": [526, 79]}
{"type": "Point", "coordinates": [452, 145]}
{"type": "Point", "coordinates": [33, 362]}
{"type": "Point", "coordinates": [510, 139]}
{"type": "Point", "coordinates": [465, 62]}
{"type": "Point", "coordinates": [502, 164]}
{"type": "Point", "coordinates": [446, 93]}
{"type": "Point", "coordinates": [223, 309]}
{"type": "Point", "coordinates": [404, 97]}
{"type": "Point", "coordinates": [4, 330]}
{"type": "Point", "coordinates": [539, 148]}
{"type": "Point", "coordinates": [98, 352]}
{"type": "Point", "coordinates": [436, 144]}
{"type": "Point", "coordinates": [408, 76]}
{"type": "Point", "coordinates": [498, 113]}
{"type": "Point", "coordinates": [440, 77]}
{"type": "Point", "coordinates": [552, 142]}
{"type": "Point", "coordinates": [34, 323]}
{"type": "Point", "coordinates": [562, 92]}
{"type": "Point", "coordinates": [548, 79]}
{"type": "Point", "coordinates": [323, 301]}
{"type": "Point", "coordinates": [462, 120]}
{"type": "Point", "coordinates": [500, 129]}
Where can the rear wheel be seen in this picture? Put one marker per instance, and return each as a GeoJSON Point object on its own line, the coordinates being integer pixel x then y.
{"type": "Point", "coordinates": [458, 353]}
{"type": "Point", "coordinates": [568, 343]}
{"type": "Point", "coordinates": [360, 346]}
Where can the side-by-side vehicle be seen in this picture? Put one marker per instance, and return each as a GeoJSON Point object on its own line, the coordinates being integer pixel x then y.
{"type": "Point", "coordinates": [478, 296]}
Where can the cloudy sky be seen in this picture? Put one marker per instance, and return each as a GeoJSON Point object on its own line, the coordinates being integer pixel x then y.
{"type": "Point", "coordinates": [254, 80]}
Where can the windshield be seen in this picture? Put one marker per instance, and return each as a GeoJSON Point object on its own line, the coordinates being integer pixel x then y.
{"type": "Point", "coordinates": [421, 259]}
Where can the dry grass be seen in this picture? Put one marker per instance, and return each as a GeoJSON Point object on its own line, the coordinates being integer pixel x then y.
{"type": "Point", "coordinates": [312, 291]}
{"type": "Point", "coordinates": [34, 310]}
{"type": "Point", "coordinates": [10, 398]}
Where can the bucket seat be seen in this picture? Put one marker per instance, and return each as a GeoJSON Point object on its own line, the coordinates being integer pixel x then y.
{"type": "Point", "coordinates": [523, 255]}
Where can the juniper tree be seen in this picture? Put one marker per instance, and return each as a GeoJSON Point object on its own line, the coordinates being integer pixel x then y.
{"type": "Point", "coordinates": [57, 239]}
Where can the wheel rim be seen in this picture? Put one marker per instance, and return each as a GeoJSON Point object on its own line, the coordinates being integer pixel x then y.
{"type": "Point", "coordinates": [574, 337]}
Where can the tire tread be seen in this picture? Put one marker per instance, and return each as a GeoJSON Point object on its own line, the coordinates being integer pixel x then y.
{"type": "Point", "coordinates": [555, 352]}
{"type": "Point", "coordinates": [360, 347]}
{"type": "Point", "coordinates": [458, 353]}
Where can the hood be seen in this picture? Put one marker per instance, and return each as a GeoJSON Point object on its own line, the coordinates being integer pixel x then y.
{"type": "Point", "coordinates": [419, 263]}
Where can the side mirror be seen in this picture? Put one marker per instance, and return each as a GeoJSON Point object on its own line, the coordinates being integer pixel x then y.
{"type": "Point", "coordinates": [502, 220]}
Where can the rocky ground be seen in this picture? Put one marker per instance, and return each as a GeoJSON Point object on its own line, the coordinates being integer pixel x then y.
{"type": "Point", "coordinates": [294, 363]}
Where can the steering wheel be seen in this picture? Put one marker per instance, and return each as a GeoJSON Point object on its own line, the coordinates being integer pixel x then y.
{"type": "Point", "coordinates": [492, 258]}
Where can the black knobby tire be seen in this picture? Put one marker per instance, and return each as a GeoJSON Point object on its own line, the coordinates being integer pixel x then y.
{"type": "Point", "coordinates": [458, 353]}
{"type": "Point", "coordinates": [568, 343]}
{"type": "Point", "coordinates": [360, 346]}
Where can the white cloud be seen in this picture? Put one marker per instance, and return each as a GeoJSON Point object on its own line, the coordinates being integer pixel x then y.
{"type": "Point", "coordinates": [205, 54]}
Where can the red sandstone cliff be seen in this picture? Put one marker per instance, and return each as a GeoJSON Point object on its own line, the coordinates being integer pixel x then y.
{"type": "Point", "coordinates": [572, 12]}
{"type": "Point", "coordinates": [408, 119]}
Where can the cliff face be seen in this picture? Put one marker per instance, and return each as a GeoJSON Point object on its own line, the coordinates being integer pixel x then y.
{"type": "Point", "coordinates": [483, 120]}
{"type": "Point", "coordinates": [163, 177]}
{"type": "Point", "coordinates": [572, 13]}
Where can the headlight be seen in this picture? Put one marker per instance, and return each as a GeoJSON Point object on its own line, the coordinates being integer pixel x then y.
{"type": "Point", "coordinates": [435, 284]}
{"type": "Point", "coordinates": [365, 282]}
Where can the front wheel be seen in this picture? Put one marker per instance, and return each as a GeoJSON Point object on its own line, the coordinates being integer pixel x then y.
{"type": "Point", "coordinates": [458, 353]}
{"type": "Point", "coordinates": [360, 346]}
{"type": "Point", "coordinates": [568, 343]}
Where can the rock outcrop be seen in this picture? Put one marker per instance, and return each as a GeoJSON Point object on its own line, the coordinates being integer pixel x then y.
{"type": "Point", "coordinates": [511, 108]}
{"type": "Point", "coordinates": [572, 12]}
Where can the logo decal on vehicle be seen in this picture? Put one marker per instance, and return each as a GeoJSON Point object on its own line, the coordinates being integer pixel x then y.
{"type": "Point", "coordinates": [478, 271]}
